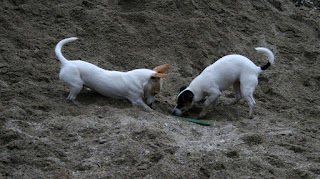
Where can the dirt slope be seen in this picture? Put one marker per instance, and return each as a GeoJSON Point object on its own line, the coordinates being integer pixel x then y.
{"type": "Point", "coordinates": [42, 135]}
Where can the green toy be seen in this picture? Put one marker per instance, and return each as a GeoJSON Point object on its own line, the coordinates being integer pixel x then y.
{"type": "Point", "coordinates": [192, 120]}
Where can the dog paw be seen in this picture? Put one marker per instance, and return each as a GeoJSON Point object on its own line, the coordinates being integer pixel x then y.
{"type": "Point", "coordinates": [202, 115]}
{"type": "Point", "coordinates": [148, 109]}
{"type": "Point", "coordinates": [75, 102]}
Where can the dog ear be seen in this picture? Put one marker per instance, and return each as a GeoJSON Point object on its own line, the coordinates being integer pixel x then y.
{"type": "Point", "coordinates": [182, 88]}
{"type": "Point", "coordinates": [161, 68]}
{"type": "Point", "coordinates": [187, 96]}
{"type": "Point", "coordinates": [158, 75]}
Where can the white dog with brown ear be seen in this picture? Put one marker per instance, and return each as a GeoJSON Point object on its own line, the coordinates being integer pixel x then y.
{"type": "Point", "coordinates": [235, 70]}
{"type": "Point", "coordinates": [139, 86]}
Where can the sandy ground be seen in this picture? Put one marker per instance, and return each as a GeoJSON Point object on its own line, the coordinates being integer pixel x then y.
{"type": "Point", "coordinates": [42, 135]}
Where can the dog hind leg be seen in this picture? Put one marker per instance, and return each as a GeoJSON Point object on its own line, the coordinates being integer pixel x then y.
{"type": "Point", "coordinates": [237, 91]}
{"type": "Point", "coordinates": [251, 103]}
{"type": "Point", "coordinates": [74, 91]}
{"type": "Point", "coordinates": [75, 86]}
{"type": "Point", "coordinates": [247, 89]}
{"type": "Point", "coordinates": [71, 78]}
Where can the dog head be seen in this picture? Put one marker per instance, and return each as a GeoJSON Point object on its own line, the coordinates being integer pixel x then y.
{"type": "Point", "coordinates": [184, 101]}
{"type": "Point", "coordinates": [154, 84]}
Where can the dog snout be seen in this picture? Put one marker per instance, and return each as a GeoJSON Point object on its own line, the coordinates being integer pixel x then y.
{"type": "Point", "coordinates": [150, 100]}
{"type": "Point", "coordinates": [176, 112]}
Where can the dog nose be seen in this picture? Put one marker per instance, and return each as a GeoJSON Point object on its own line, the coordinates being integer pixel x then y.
{"type": "Point", "coordinates": [176, 112]}
{"type": "Point", "coordinates": [173, 112]}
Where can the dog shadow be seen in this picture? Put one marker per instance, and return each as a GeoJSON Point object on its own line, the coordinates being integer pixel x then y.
{"type": "Point", "coordinates": [90, 97]}
{"type": "Point", "coordinates": [223, 112]}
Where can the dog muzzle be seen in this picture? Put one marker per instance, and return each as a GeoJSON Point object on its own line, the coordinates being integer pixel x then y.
{"type": "Point", "coordinates": [177, 112]}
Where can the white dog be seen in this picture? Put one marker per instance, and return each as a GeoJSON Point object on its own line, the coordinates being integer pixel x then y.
{"type": "Point", "coordinates": [235, 70]}
{"type": "Point", "coordinates": [138, 86]}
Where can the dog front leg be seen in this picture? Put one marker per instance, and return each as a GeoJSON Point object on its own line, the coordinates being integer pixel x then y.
{"type": "Point", "coordinates": [207, 105]}
{"type": "Point", "coordinates": [140, 103]}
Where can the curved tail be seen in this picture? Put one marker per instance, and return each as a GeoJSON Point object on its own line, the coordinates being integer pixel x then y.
{"type": "Point", "coordinates": [270, 57]}
{"type": "Point", "coordinates": [59, 46]}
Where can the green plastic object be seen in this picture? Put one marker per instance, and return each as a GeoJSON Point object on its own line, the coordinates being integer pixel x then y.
{"type": "Point", "coordinates": [192, 120]}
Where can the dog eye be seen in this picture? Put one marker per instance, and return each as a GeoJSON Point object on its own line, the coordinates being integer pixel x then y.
{"type": "Point", "coordinates": [154, 80]}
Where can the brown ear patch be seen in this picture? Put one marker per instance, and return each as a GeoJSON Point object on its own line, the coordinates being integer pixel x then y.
{"type": "Point", "coordinates": [161, 68]}
{"type": "Point", "coordinates": [158, 75]}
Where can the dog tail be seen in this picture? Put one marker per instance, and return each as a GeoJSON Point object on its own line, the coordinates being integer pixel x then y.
{"type": "Point", "coordinates": [270, 57]}
{"type": "Point", "coordinates": [59, 46]}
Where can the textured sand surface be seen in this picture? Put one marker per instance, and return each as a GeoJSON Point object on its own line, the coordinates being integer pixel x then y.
{"type": "Point", "coordinates": [42, 135]}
